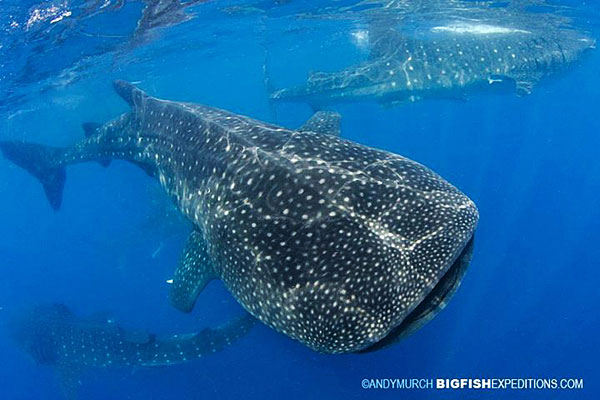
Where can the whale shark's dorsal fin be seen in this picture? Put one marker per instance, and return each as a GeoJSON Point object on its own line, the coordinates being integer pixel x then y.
{"type": "Point", "coordinates": [193, 273]}
{"type": "Point", "coordinates": [326, 122]}
{"type": "Point", "coordinates": [129, 92]}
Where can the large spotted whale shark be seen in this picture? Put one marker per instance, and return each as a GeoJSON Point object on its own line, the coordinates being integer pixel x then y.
{"type": "Point", "coordinates": [330, 242]}
{"type": "Point", "coordinates": [448, 54]}
{"type": "Point", "coordinates": [53, 335]}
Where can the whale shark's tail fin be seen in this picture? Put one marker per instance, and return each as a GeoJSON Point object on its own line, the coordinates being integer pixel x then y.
{"type": "Point", "coordinates": [41, 161]}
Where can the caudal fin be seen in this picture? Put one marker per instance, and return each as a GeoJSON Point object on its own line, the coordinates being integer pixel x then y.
{"type": "Point", "coordinates": [41, 161]}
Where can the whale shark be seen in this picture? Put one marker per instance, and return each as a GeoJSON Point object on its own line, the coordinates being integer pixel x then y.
{"type": "Point", "coordinates": [328, 241]}
{"type": "Point", "coordinates": [53, 335]}
{"type": "Point", "coordinates": [447, 54]}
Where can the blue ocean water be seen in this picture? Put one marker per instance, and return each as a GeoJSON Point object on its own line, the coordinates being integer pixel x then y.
{"type": "Point", "coordinates": [527, 307]}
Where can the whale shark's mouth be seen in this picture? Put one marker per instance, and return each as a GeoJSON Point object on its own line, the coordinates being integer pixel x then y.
{"type": "Point", "coordinates": [462, 28]}
{"type": "Point", "coordinates": [432, 304]}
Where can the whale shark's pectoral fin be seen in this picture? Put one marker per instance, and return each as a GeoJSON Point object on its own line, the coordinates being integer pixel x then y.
{"type": "Point", "coordinates": [69, 378]}
{"type": "Point", "coordinates": [193, 273]}
{"type": "Point", "coordinates": [326, 122]}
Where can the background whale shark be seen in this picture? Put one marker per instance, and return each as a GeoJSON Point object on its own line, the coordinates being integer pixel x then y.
{"type": "Point", "coordinates": [330, 242]}
{"type": "Point", "coordinates": [430, 50]}
{"type": "Point", "coordinates": [161, 14]}
{"type": "Point", "coordinates": [52, 335]}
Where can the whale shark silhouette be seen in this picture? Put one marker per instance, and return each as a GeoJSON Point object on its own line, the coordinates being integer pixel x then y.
{"type": "Point", "coordinates": [52, 335]}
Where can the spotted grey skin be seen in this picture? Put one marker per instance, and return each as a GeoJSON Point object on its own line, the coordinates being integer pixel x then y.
{"type": "Point", "coordinates": [448, 58]}
{"type": "Point", "coordinates": [193, 273]}
{"type": "Point", "coordinates": [53, 335]}
{"type": "Point", "coordinates": [327, 241]}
